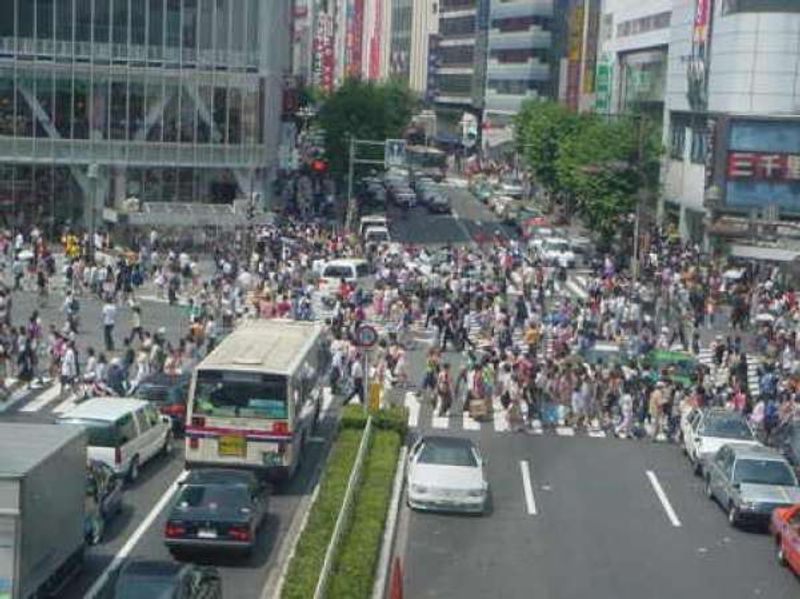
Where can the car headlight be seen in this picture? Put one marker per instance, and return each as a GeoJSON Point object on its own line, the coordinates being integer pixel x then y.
{"type": "Point", "coordinates": [419, 489]}
{"type": "Point", "coordinates": [748, 506]}
{"type": "Point", "coordinates": [475, 493]}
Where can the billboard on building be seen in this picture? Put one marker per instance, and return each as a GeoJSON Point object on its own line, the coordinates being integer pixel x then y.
{"type": "Point", "coordinates": [431, 89]}
{"type": "Point", "coordinates": [376, 34]}
{"type": "Point", "coordinates": [355, 27]}
{"type": "Point", "coordinates": [760, 160]}
{"type": "Point", "coordinates": [324, 60]}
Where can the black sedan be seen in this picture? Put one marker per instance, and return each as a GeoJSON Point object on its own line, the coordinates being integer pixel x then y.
{"type": "Point", "coordinates": [439, 203]}
{"type": "Point", "coordinates": [216, 508]}
{"type": "Point", "coordinates": [167, 580]}
{"type": "Point", "coordinates": [169, 393]}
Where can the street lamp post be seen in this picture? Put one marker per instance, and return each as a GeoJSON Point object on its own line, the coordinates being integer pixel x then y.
{"type": "Point", "coordinates": [92, 174]}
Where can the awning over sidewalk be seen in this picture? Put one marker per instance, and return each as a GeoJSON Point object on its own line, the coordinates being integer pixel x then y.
{"type": "Point", "coordinates": [754, 252]}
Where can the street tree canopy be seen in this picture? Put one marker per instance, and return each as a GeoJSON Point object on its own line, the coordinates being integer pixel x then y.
{"type": "Point", "coordinates": [365, 110]}
{"type": "Point", "coordinates": [597, 164]}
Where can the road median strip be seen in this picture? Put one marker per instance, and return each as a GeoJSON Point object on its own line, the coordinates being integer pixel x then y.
{"type": "Point", "coordinates": [337, 552]}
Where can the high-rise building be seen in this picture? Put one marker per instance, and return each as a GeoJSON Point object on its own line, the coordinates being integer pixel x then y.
{"type": "Point", "coordinates": [174, 100]}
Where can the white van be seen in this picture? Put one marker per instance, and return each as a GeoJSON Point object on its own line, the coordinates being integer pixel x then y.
{"type": "Point", "coordinates": [372, 220]}
{"type": "Point", "coordinates": [124, 433]}
{"type": "Point", "coordinates": [352, 270]}
{"type": "Point", "coordinates": [377, 235]}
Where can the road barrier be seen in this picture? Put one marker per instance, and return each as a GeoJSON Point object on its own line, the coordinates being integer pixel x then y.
{"type": "Point", "coordinates": [344, 513]}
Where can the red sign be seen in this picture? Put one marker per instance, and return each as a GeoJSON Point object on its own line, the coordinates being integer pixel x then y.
{"type": "Point", "coordinates": [375, 43]}
{"type": "Point", "coordinates": [323, 51]}
{"type": "Point", "coordinates": [702, 14]}
{"type": "Point", "coordinates": [764, 166]}
{"type": "Point", "coordinates": [355, 26]}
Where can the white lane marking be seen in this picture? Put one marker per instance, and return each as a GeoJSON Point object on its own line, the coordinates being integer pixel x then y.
{"type": "Point", "coordinates": [440, 421]}
{"type": "Point", "coordinates": [44, 398]}
{"type": "Point", "coordinates": [597, 434]}
{"type": "Point", "coordinates": [327, 399]}
{"type": "Point", "coordinates": [565, 431]}
{"type": "Point", "coordinates": [65, 406]}
{"type": "Point", "coordinates": [129, 545]}
{"type": "Point", "coordinates": [527, 488]}
{"type": "Point", "coordinates": [662, 497]}
{"type": "Point", "coordinates": [470, 424]}
{"type": "Point", "coordinates": [412, 403]}
{"type": "Point", "coordinates": [576, 290]}
{"type": "Point", "coordinates": [499, 416]}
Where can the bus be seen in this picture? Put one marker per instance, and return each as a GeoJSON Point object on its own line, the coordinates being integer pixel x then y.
{"type": "Point", "coordinates": [430, 162]}
{"type": "Point", "coordinates": [254, 400]}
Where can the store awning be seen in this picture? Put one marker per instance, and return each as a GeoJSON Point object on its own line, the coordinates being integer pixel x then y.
{"type": "Point", "coordinates": [754, 252]}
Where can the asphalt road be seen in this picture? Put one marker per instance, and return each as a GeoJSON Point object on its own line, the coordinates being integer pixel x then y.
{"type": "Point", "coordinates": [605, 518]}
{"type": "Point", "coordinates": [137, 531]}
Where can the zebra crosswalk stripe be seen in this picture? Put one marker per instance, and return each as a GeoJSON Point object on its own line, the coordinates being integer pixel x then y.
{"type": "Point", "coordinates": [44, 398]}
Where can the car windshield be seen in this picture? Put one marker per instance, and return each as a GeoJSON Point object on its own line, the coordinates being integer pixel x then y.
{"type": "Point", "coordinates": [763, 472]}
{"type": "Point", "coordinates": [727, 428]}
{"type": "Point", "coordinates": [141, 587]}
{"type": "Point", "coordinates": [556, 246]}
{"type": "Point", "coordinates": [338, 271]}
{"type": "Point", "coordinates": [212, 496]}
{"type": "Point", "coordinates": [156, 393]}
{"type": "Point", "coordinates": [447, 455]}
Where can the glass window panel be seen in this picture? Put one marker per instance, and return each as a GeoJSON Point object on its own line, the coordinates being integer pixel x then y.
{"type": "Point", "coordinates": [7, 9]}
{"type": "Point", "coordinates": [44, 96]}
{"type": "Point", "coordinates": [171, 121]}
{"type": "Point", "coordinates": [83, 20]}
{"type": "Point", "coordinates": [26, 18]}
{"type": "Point", "coordinates": [154, 93]}
{"type": "Point", "coordinates": [151, 185]}
{"type": "Point", "coordinates": [206, 24]}
{"type": "Point", "coordinates": [252, 33]}
{"type": "Point", "coordinates": [138, 14]}
{"type": "Point", "coordinates": [220, 115]}
{"type": "Point", "coordinates": [234, 116]}
{"type": "Point", "coordinates": [24, 122]}
{"type": "Point", "coordinates": [44, 19]}
{"type": "Point", "coordinates": [185, 185]}
{"type": "Point", "coordinates": [189, 24]}
{"type": "Point", "coordinates": [173, 23]}
{"type": "Point", "coordinates": [63, 106]}
{"type": "Point", "coordinates": [222, 27]}
{"type": "Point", "coordinates": [6, 100]}
{"type": "Point", "coordinates": [169, 185]}
{"type": "Point", "coordinates": [64, 20]}
{"type": "Point", "coordinates": [187, 111]}
{"type": "Point", "coordinates": [80, 110]}
{"type": "Point", "coordinates": [156, 24]}
{"type": "Point", "coordinates": [239, 29]}
{"type": "Point", "coordinates": [250, 115]}
{"type": "Point", "coordinates": [203, 130]}
{"type": "Point", "coordinates": [119, 110]}
{"type": "Point", "coordinates": [102, 14]}
{"type": "Point", "coordinates": [135, 108]}
{"type": "Point", "coordinates": [120, 22]}
{"type": "Point", "coordinates": [98, 117]}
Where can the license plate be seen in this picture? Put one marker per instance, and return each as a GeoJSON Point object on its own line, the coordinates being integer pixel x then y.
{"type": "Point", "coordinates": [232, 446]}
{"type": "Point", "coordinates": [206, 534]}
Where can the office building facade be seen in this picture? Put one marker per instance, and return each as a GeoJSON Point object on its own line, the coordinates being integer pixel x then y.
{"type": "Point", "coordinates": [173, 100]}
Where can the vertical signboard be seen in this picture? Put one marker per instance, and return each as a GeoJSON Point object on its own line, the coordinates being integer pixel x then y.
{"type": "Point", "coordinates": [375, 43]}
{"type": "Point", "coordinates": [323, 44]}
{"type": "Point", "coordinates": [602, 99]}
{"type": "Point", "coordinates": [697, 64]}
{"type": "Point", "coordinates": [355, 26]}
{"type": "Point", "coordinates": [431, 89]}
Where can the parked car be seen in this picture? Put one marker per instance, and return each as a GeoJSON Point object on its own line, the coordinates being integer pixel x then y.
{"type": "Point", "coordinates": [439, 203]}
{"type": "Point", "coordinates": [144, 579]}
{"type": "Point", "coordinates": [104, 491]}
{"type": "Point", "coordinates": [711, 429]}
{"type": "Point", "coordinates": [785, 528]}
{"type": "Point", "coordinates": [512, 187]}
{"type": "Point", "coordinates": [446, 473]}
{"type": "Point", "coordinates": [124, 433]}
{"type": "Point", "coordinates": [749, 482]}
{"type": "Point", "coordinates": [168, 392]}
{"type": "Point", "coordinates": [786, 439]}
{"type": "Point", "coordinates": [216, 508]}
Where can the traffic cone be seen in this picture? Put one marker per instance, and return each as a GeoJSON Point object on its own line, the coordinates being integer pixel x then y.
{"type": "Point", "coordinates": [396, 586]}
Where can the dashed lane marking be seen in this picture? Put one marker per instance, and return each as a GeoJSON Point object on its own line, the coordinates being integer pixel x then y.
{"type": "Point", "coordinates": [662, 497]}
{"type": "Point", "coordinates": [527, 487]}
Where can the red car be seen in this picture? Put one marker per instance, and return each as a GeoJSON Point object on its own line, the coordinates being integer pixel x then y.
{"type": "Point", "coordinates": [785, 526]}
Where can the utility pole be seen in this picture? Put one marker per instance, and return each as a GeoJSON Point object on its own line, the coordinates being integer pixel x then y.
{"type": "Point", "coordinates": [92, 174]}
{"type": "Point", "coordinates": [640, 195]}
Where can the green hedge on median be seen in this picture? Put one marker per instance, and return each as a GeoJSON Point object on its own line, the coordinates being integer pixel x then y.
{"type": "Point", "coordinates": [301, 579]}
{"type": "Point", "coordinates": [354, 568]}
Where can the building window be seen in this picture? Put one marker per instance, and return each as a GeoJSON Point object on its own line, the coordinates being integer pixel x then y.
{"type": "Point", "coordinates": [459, 26]}
{"type": "Point", "coordinates": [699, 144]}
{"type": "Point", "coordinates": [454, 85]}
{"type": "Point", "coordinates": [519, 55]}
{"type": "Point", "coordinates": [644, 24]}
{"type": "Point", "coordinates": [454, 5]}
{"type": "Point", "coordinates": [521, 23]}
{"type": "Point", "coordinates": [734, 6]}
{"type": "Point", "coordinates": [456, 55]}
{"type": "Point", "coordinates": [677, 136]}
{"type": "Point", "coordinates": [517, 86]}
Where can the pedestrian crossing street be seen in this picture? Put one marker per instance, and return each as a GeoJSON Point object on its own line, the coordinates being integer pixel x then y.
{"type": "Point", "coordinates": [706, 357]}
{"type": "Point", "coordinates": [424, 418]}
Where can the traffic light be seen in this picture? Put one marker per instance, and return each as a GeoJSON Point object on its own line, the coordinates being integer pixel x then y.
{"type": "Point", "coordinates": [319, 166]}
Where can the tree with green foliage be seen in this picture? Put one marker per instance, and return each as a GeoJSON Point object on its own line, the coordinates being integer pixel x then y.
{"type": "Point", "coordinates": [600, 164]}
{"type": "Point", "coordinates": [365, 110]}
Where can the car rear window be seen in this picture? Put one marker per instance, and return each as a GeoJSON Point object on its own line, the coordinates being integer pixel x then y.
{"type": "Point", "coordinates": [212, 496]}
{"type": "Point", "coordinates": [153, 393]}
{"type": "Point", "coordinates": [101, 433]}
{"type": "Point", "coordinates": [727, 428]}
{"type": "Point", "coordinates": [338, 271]}
{"type": "Point", "coordinates": [447, 455]}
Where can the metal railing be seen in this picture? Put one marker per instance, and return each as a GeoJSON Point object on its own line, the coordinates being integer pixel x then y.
{"type": "Point", "coordinates": [344, 514]}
